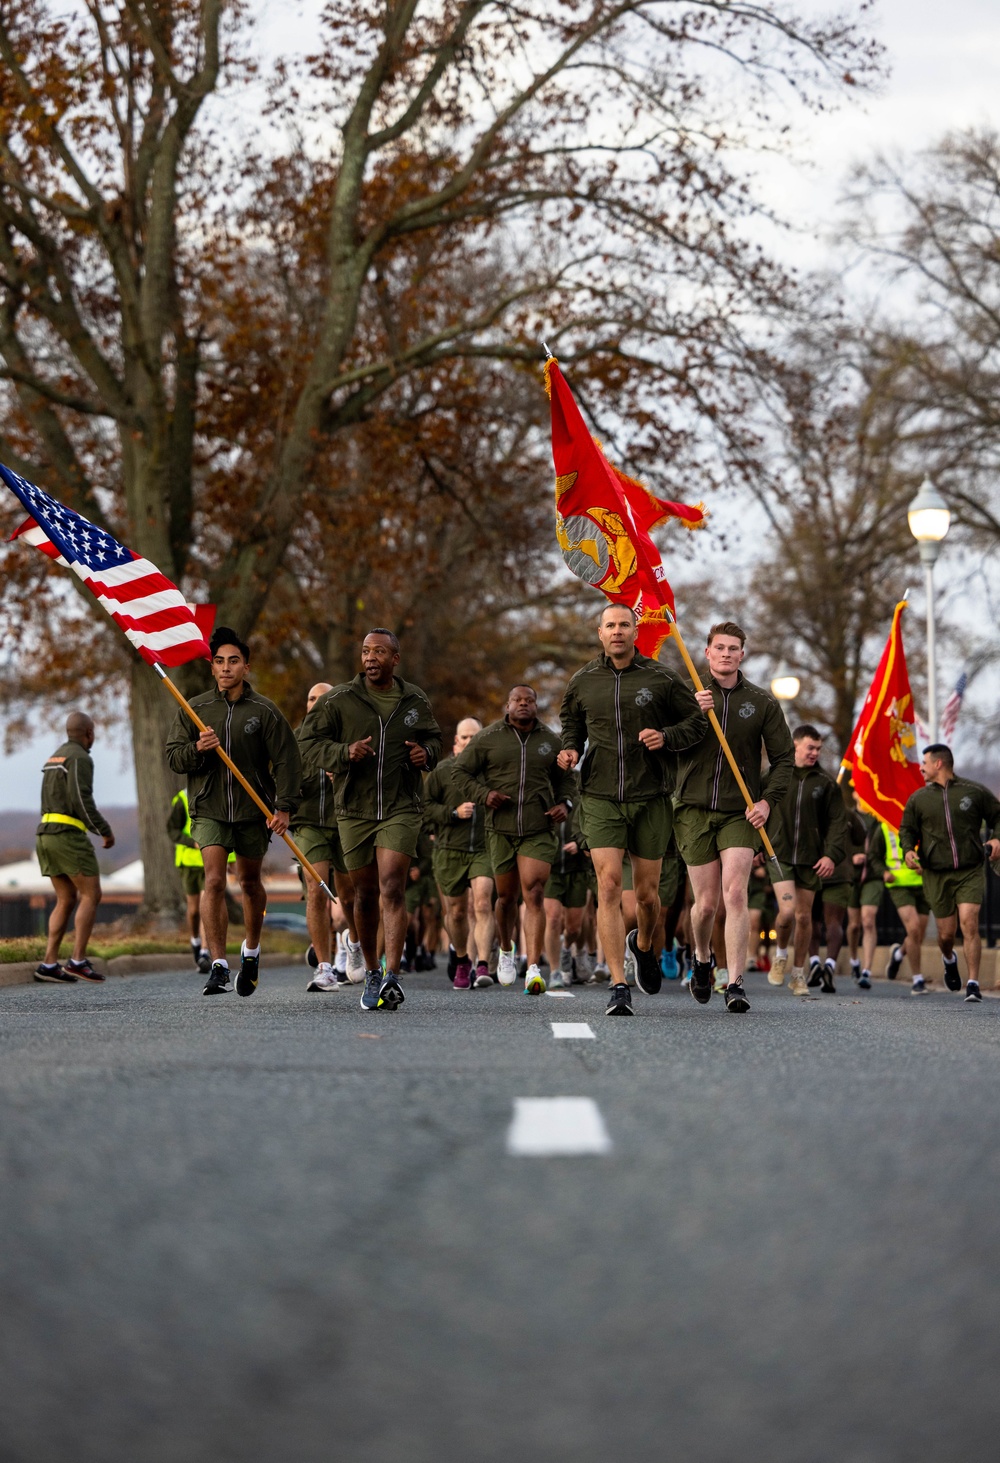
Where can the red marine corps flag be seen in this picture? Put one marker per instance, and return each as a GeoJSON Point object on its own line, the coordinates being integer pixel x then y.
{"type": "Point", "coordinates": [882, 753]}
{"type": "Point", "coordinates": [604, 518]}
{"type": "Point", "coordinates": [143, 603]}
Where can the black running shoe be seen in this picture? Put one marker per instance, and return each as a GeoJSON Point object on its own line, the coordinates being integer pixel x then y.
{"type": "Point", "coordinates": [452, 962]}
{"type": "Point", "coordinates": [648, 975]}
{"type": "Point", "coordinates": [83, 970]}
{"type": "Point", "coordinates": [196, 955]}
{"type": "Point", "coordinates": [972, 991]}
{"type": "Point", "coordinates": [219, 981]}
{"type": "Point", "coordinates": [735, 997]}
{"type": "Point", "coordinates": [865, 981]}
{"type": "Point", "coordinates": [815, 974]}
{"type": "Point", "coordinates": [701, 981]}
{"type": "Point", "coordinates": [55, 974]}
{"type": "Point", "coordinates": [312, 959]}
{"type": "Point", "coordinates": [895, 961]}
{"type": "Point", "coordinates": [390, 993]}
{"type": "Point", "coordinates": [620, 1003]}
{"type": "Point", "coordinates": [204, 962]}
{"type": "Point", "coordinates": [248, 975]}
{"type": "Point", "coordinates": [826, 975]}
{"type": "Point", "coordinates": [369, 996]}
{"type": "Point", "coordinates": [952, 979]}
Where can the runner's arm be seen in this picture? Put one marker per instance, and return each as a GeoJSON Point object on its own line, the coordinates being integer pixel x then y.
{"type": "Point", "coordinates": [780, 752]}
{"type": "Point", "coordinates": [286, 763]}
{"type": "Point", "coordinates": [182, 754]}
{"type": "Point", "coordinates": [686, 723]}
{"type": "Point", "coordinates": [82, 785]}
{"type": "Point", "coordinates": [572, 722]}
{"type": "Point", "coordinates": [175, 825]}
{"type": "Point", "coordinates": [838, 835]}
{"type": "Point", "coordinates": [469, 770]}
{"type": "Point", "coordinates": [909, 828]}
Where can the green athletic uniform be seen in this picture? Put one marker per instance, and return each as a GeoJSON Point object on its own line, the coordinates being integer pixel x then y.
{"type": "Point", "coordinates": [523, 765]}
{"type": "Point", "coordinates": [808, 822]}
{"type": "Point", "coordinates": [625, 788]}
{"type": "Point", "coordinates": [844, 885]}
{"type": "Point", "coordinates": [568, 880]}
{"type": "Point", "coordinates": [460, 853]}
{"type": "Point", "coordinates": [421, 889]}
{"type": "Point", "coordinates": [944, 825]}
{"type": "Point", "coordinates": [68, 814]}
{"type": "Point", "coordinates": [377, 799]}
{"type": "Point", "coordinates": [314, 827]}
{"type": "Point", "coordinates": [709, 810]}
{"type": "Point", "coordinates": [258, 739]}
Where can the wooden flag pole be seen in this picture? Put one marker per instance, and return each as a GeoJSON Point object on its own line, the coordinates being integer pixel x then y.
{"type": "Point", "coordinates": [697, 682]}
{"type": "Point", "coordinates": [186, 706]}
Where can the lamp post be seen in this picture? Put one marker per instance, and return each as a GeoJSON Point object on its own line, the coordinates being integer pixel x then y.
{"type": "Point", "coordinates": [929, 518]}
{"type": "Point", "coordinates": [784, 688]}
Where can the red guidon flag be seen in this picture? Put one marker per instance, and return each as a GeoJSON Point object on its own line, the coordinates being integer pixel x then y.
{"type": "Point", "coordinates": [882, 753]}
{"type": "Point", "coordinates": [152, 612]}
{"type": "Point", "coordinates": [604, 518]}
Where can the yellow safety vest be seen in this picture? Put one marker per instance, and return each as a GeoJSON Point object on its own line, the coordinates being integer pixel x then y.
{"type": "Point", "coordinates": [896, 862]}
{"type": "Point", "coordinates": [184, 857]}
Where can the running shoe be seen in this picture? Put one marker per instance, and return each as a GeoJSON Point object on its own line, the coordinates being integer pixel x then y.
{"type": "Point", "coordinates": [55, 973]}
{"type": "Point", "coordinates": [620, 1001]}
{"type": "Point", "coordinates": [856, 969]}
{"type": "Point", "coordinates": [565, 964]}
{"type": "Point", "coordinates": [356, 971]}
{"type": "Point", "coordinates": [919, 987]}
{"type": "Point", "coordinates": [701, 981]}
{"type": "Point", "coordinates": [483, 977]}
{"type": "Point", "coordinates": [219, 981]}
{"type": "Point", "coordinates": [736, 998]}
{"type": "Point", "coordinates": [311, 958]}
{"type": "Point", "coordinates": [895, 961]}
{"type": "Point", "coordinates": [325, 979]}
{"type": "Point", "coordinates": [585, 967]}
{"type": "Point", "coordinates": [463, 974]}
{"type": "Point", "coordinates": [827, 975]}
{"type": "Point", "coordinates": [342, 981]}
{"type": "Point", "coordinates": [83, 970]}
{"type": "Point", "coordinates": [575, 978]}
{"type": "Point", "coordinates": [369, 996]}
{"type": "Point", "coordinates": [558, 982]}
{"type": "Point", "coordinates": [779, 969]}
{"type": "Point", "coordinates": [507, 967]}
{"type": "Point", "coordinates": [815, 974]}
{"type": "Point", "coordinates": [798, 985]}
{"type": "Point", "coordinates": [648, 975]}
{"type": "Point", "coordinates": [248, 974]}
{"type": "Point", "coordinates": [972, 991]}
{"type": "Point", "coordinates": [452, 963]}
{"type": "Point", "coordinates": [204, 962]}
{"type": "Point", "coordinates": [196, 954]}
{"type": "Point", "coordinates": [668, 964]}
{"type": "Point", "coordinates": [952, 979]}
{"type": "Point", "coordinates": [865, 981]}
{"type": "Point", "coordinates": [390, 993]}
{"type": "Point", "coordinates": [534, 983]}
{"type": "Point", "coordinates": [601, 975]}
{"type": "Point", "coordinates": [720, 979]}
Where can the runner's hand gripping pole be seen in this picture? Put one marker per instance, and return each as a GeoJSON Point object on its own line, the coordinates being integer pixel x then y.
{"type": "Point", "coordinates": [697, 682]}
{"type": "Point", "coordinates": [242, 780]}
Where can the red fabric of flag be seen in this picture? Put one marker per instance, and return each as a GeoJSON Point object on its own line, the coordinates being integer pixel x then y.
{"type": "Point", "coordinates": [882, 753]}
{"type": "Point", "coordinates": [604, 517]}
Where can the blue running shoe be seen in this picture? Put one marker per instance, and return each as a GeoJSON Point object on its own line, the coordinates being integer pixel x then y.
{"type": "Point", "coordinates": [668, 964]}
{"type": "Point", "coordinates": [369, 996]}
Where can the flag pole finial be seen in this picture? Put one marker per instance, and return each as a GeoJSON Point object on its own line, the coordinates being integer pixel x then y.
{"type": "Point", "coordinates": [545, 348]}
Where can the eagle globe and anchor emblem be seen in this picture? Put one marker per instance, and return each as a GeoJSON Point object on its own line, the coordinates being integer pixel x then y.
{"type": "Point", "coordinates": [596, 545]}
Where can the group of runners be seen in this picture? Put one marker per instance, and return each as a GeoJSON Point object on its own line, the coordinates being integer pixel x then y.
{"type": "Point", "coordinates": [561, 841]}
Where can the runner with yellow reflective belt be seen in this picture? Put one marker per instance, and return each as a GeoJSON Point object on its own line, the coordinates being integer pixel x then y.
{"type": "Point", "coordinates": [65, 852]}
{"type": "Point", "coordinates": [887, 861]}
{"type": "Point", "coordinates": [191, 865]}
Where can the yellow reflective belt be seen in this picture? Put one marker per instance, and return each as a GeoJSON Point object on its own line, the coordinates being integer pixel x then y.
{"type": "Point", "coordinates": [63, 818]}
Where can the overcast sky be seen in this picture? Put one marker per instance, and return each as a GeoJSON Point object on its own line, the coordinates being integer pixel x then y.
{"type": "Point", "coordinates": [944, 61]}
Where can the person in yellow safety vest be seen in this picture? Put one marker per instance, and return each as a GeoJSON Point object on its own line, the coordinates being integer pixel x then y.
{"type": "Point", "coordinates": [906, 890]}
{"type": "Point", "coordinates": [191, 866]}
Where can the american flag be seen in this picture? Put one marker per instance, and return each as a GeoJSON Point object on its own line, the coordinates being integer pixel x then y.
{"type": "Point", "coordinates": [953, 705]}
{"type": "Point", "coordinates": [142, 602]}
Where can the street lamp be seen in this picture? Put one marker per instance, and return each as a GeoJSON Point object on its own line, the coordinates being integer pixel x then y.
{"type": "Point", "coordinates": [929, 519]}
{"type": "Point", "coordinates": [785, 687]}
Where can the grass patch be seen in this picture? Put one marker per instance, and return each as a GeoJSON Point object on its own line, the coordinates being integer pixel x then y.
{"type": "Point", "coordinates": [32, 947]}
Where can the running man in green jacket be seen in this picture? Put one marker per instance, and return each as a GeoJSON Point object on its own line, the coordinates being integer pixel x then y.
{"type": "Point", "coordinates": [717, 833]}
{"type": "Point", "coordinates": [630, 712]}
{"type": "Point", "coordinates": [511, 768]}
{"type": "Point", "coordinates": [376, 735]}
{"type": "Point", "coordinates": [224, 818]}
{"type": "Point", "coordinates": [65, 853]}
{"type": "Point", "coordinates": [941, 834]}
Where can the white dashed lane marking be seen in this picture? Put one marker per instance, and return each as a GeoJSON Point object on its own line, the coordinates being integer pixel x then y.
{"type": "Point", "coordinates": [556, 1125]}
{"type": "Point", "coordinates": [580, 1030]}
{"type": "Point", "coordinates": [561, 995]}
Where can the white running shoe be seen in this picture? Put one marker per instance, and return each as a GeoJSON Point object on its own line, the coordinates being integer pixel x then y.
{"type": "Point", "coordinates": [506, 967]}
{"type": "Point", "coordinates": [721, 978]}
{"type": "Point", "coordinates": [779, 969]}
{"type": "Point", "coordinates": [355, 963]}
{"type": "Point", "coordinates": [558, 982]}
{"type": "Point", "coordinates": [323, 980]}
{"type": "Point", "coordinates": [534, 983]}
{"type": "Point", "coordinates": [797, 985]}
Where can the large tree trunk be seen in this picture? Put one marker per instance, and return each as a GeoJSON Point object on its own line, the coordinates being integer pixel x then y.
{"type": "Point", "coordinates": [152, 712]}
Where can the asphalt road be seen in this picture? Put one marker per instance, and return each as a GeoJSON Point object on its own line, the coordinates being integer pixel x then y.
{"type": "Point", "coordinates": [283, 1230]}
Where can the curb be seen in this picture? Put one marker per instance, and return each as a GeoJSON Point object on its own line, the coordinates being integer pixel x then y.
{"type": "Point", "coordinates": [23, 971]}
